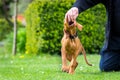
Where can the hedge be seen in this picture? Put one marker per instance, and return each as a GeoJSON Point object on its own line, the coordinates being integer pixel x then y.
{"type": "Point", "coordinates": [45, 26]}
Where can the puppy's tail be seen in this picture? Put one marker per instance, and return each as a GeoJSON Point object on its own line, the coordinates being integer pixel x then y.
{"type": "Point", "coordinates": [84, 54]}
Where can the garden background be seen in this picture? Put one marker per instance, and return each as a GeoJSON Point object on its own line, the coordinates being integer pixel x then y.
{"type": "Point", "coordinates": [39, 32]}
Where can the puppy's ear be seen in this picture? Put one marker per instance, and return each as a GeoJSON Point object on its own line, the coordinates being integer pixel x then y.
{"type": "Point", "coordinates": [79, 26]}
{"type": "Point", "coordinates": [66, 19]}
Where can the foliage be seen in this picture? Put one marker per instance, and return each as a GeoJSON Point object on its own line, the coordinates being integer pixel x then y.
{"type": "Point", "coordinates": [5, 7]}
{"type": "Point", "coordinates": [4, 10]}
{"type": "Point", "coordinates": [5, 28]}
{"type": "Point", "coordinates": [22, 5]}
{"type": "Point", "coordinates": [21, 40]}
{"type": "Point", "coordinates": [8, 5]}
{"type": "Point", "coordinates": [45, 24]}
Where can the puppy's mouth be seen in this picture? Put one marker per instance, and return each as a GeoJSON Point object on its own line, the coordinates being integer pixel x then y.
{"type": "Point", "coordinates": [71, 23]}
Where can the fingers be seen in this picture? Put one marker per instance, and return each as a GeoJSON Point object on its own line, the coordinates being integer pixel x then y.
{"type": "Point", "coordinates": [72, 14]}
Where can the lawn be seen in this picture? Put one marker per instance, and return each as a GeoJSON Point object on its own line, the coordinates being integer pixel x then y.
{"type": "Point", "coordinates": [48, 67]}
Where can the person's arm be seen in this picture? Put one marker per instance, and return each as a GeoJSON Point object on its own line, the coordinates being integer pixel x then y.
{"type": "Point", "coordinates": [85, 4]}
{"type": "Point", "coordinates": [78, 7]}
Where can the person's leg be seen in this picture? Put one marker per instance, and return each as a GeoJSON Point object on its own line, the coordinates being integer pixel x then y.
{"type": "Point", "coordinates": [110, 61]}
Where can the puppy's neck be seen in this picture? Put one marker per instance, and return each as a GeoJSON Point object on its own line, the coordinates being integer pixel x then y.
{"type": "Point", "coordinates": [73, 36]}
{"type": "Point", "coordinates": [69, 35]}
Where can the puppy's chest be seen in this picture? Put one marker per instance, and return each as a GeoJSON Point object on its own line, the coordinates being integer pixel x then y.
{"type": "Point", "coordinates": [71, 46]}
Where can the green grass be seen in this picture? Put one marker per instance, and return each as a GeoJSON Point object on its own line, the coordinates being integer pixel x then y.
{"type": "Point", "coordinates": [47, 67]}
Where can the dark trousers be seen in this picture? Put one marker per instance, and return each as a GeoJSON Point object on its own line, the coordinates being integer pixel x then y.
{"type": "Point", "coordinates": [110, 61]}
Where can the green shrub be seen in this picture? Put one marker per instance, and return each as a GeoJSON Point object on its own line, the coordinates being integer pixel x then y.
{"type": "Point", "coordinates": [21, 40]}
{"type": "Point", "coordinates": [45, 26]}
{"type": "Point", "coordinates": [5, 28]}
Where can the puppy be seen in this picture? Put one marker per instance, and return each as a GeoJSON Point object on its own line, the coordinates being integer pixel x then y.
{"type": "Point", "coordinates": [71, 47]}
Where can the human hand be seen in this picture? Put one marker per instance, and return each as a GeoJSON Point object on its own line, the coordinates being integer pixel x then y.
{"type": "Point", "coordinates": [71, 15]}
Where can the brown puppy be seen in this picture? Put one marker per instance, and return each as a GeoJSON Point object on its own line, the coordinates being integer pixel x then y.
{"type": "Point", "coordinates": [71, 47]}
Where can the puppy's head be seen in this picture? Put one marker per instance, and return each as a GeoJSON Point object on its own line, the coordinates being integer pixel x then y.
{"type": "Point", "coordinates": [71, 26]}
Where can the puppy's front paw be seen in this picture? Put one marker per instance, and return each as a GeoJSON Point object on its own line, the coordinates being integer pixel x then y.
{"type": "Point", "coordinates": [65, 69]}
{"type": "Point", "coordinates": [71, 71]}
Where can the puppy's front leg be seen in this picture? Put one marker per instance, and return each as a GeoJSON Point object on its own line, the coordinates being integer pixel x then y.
{"type": "Point", "coordinates": [65, 68]}
{"type": "Point", "coordinates": [73, 65]}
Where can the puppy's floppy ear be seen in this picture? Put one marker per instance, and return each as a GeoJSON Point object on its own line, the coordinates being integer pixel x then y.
{"type": "Point", "coordinates": [66, 19]}
{"type": "Point", "coordinates": [79, 26]}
